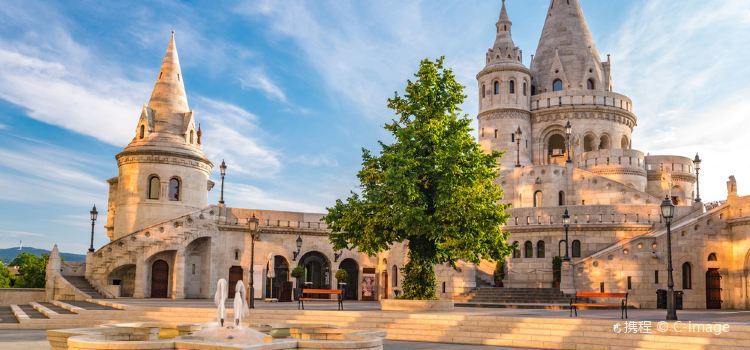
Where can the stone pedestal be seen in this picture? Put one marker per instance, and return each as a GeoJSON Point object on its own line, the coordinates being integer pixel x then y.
{"type": "Point", "coordinates": [567, 284]}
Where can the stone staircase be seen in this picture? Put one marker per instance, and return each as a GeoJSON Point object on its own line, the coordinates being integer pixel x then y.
{"type": "Point", "coordinates": [84, 286]}
{"type": "Point", "coordinates": [509, 297]}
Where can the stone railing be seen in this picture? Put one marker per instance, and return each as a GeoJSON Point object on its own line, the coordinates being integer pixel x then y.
{"type": "Point", "coordinates": [646, 214]}
{"type": "Point", "coordinates": [626, 158]}
{"type": "Point", "coordinates": [581, 97]}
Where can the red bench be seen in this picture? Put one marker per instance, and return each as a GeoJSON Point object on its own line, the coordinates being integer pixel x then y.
{"type": "Point", "coordinates": [339, 297]}
{"type": "Point", "coordinates": [622, 305]}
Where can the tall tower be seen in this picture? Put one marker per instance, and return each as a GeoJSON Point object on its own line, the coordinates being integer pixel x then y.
{"type": "Point", "coordinates": [504, 92]}
{"type": "Point", "coordinates": [163, 172]}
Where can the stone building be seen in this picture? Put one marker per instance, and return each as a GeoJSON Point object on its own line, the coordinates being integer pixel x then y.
{"type": "Point", "coordinates": [567, 140]}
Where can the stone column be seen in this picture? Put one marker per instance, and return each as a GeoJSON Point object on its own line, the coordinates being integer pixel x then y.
{"type": "Point", "coordinates": [567, 284]}
{"type": "Point", "coordinates": [141, 273]}
{"type": "Point", "coordinates": [178, 276]}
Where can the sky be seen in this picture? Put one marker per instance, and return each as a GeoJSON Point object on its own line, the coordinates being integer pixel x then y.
{"type": "Point", "coordinates": [289, 92]}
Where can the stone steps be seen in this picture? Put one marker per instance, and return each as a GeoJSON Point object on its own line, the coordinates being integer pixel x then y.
{"type": "Point", "coordinates": [83, 285]}
{"type": "Point", "coordinates": [513, 296]}
{"type": "Point", "coordinates": [7, 316]}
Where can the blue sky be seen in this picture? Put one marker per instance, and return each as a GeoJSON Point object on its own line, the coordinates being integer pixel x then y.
{"type": "Point", "coordinates": [288, 92]}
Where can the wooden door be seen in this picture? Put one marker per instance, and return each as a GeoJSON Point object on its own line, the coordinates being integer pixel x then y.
{"type": "Point", "coordinates": [385, 284]}
{"type": "Point", "coordinates": [713, 289]}
{"type": "Point", "coordinates": [159, 279]}
{"type": "Point", "coordinates": [235, 274]}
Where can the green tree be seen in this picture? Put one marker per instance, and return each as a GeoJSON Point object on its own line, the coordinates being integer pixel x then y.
{"type": "Point", "coordinates": [433, 187]}
{"type": "Point", "coordinates": [31, 270]}
{"type": "Point", "coordinates": [6, 279]}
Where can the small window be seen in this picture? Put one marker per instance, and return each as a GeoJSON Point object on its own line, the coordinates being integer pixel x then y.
{"type": "Point", "coordinates": [142, 132]}
{"type": "Point", "coordinates": [496, 88]}
{"type": "Point", "coordinates": [174, 189]}
{"type": "Point", "coordinates": [512, 87]}
{"type": "Point", "coordinates": [557, 85]}
{"type": "Point", "coordinates": [495, 133]}
{"type": "Point", "coordinates": [236, 255]}
{"type": "Point", "coordinates": [191, 136]}
{"type": "Point", "coordinates": [656, 276]}
{"type": "Point", "coordinates": [516, 252]}
{"type": "Point", "coordinates": [154, 185]}
{"type": "Point", "coordinates": [193, 269]}
{"type": "Point", "coordinates": [561, 198]}
{"type": "Point", "coordinates": [528, 250]}
{"type": "Point", "coordinates": [524, 88]}
{"type": "Point", "coordinates": [630, 282]}
{"type": "Point", "coordinates": [687, 276]}
{"type": "Point", "coordinates": [533, 90]}
{"type": "Point", "coordinates": [540, 249]}
{"type": "Point", "coordinates": [512, 137]}
{"type": "Point", "coordinates": [484, 91]}
{"type": "Point", "coordinates": [394, 276]}
{"type": "Point", "coordinates": [576, 249]}
{"type": "Point", "coordinates": [712, 257]}
{"type": "Point", "coordinates": [537, 199]}
{"type": "Point", "coordinates": [590, 84]}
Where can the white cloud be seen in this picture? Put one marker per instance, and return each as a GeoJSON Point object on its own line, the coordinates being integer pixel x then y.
{"type": "Point", "coordinates": [3, 126]}
{"type": "Point", "coordinates": [683, 64]}
{"type": "Point", "coordinates": [316, 160]}
{"type": "Point", "coordinates": [248, 196]}
{"type": "Point", "coordinates": [257, 79]}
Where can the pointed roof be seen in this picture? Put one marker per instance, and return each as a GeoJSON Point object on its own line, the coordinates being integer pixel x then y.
{"type": "Point", "coordinates": [504, 50]}
{"type": "Point", "coordinates": [566, 34]}
{"type": "Point", "coordinates": [169, 91]}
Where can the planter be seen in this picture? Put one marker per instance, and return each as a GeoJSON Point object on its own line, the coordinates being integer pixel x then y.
{"type": "Point", "coordinates": [415, 305]}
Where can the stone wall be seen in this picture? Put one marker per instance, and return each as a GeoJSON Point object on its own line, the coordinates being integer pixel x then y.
{"type": "Point", "coordinates": [10, 296]}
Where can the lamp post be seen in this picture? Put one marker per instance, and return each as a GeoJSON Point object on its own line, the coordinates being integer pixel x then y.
{"type": "Point", "coordinates": [667, 211]}
{"type": "Point", "coordinates": [697, 162]}
{"type": "Point", "coordinates": [566, 224]}
{"type": "Point", "coordinates": [94, 214]}
{"type": "Point", "coordinates": [568, 131]}
{"type": "Point", "coordinates": [223, 170]}
{"type": "Point", "coordinates": [252, 225]}
{"type": "Point", "coordinates": [518, 147]}
{"type": "Point", "coordinates": [299, 248]}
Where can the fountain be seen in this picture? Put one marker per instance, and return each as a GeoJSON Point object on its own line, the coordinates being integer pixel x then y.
{"type": "Point", "coordinates": [215, 336]}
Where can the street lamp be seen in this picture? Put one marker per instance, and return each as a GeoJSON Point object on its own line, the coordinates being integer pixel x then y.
{"type": "Point", "coordinates": [566, 224]}
{"type": "Point", "coordinates": [94, 214]}
{"type": "Point", "coordinates": [337, 255]}
{"type": "Point", "coordinates": [667, 211]}
{"type": "Point", "coordinates": [252, 225]}
{"type": "Point", "coordinates": [568, 131]}
{"type": "Point", "coordinates": [223, 170]}
{"type": "Point", "coordinates": [299, 248]}
{"type": "Point", "coordinates": [697, 162]}
{"type": "Point", "coordinates": [518, 147]}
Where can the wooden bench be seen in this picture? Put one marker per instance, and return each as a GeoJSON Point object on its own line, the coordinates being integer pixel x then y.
{"type": "Point", "coordinates": [306, 291]}
{"type": "Point", "coordinates": [622, 305]}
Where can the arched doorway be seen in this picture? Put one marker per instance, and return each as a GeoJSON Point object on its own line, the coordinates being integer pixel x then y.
{"type": "Point", "coordinates": [197, 268]}
{"type": "Point", "coordinates": [713, 289]}
{"type": "Point", "coordinates": [384, 279]}
{"type": "Point", "coordinates": [275, 282]}
{"type": "Point", "coordinates": [317, 272]}
{"type": "Point", "coordinates": [556, 149]}
{"type": "Point", "coordinates": [352, 278]}
{"type": "Point", "coordinates": [159, 279]}
{"type": "Point", "coordinates": [235, 274]}
{"type": "Point", "coordinates": [123, 276]}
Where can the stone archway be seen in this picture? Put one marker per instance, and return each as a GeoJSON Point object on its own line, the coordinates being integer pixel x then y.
{"type": "Point", "coordinates": [317, 271]}
{"type": "Point", "coordinates": [235, 274]}
{"type": "Point", "coordinates": [159, 279]}
{"type": "Point", "coordinates": [275, 283]}
{"type": "Point", "coordinates": [123, 276]}
{"type": "Point", "coordinates": [713, 289]}
{"type": "Point", "coordinates": [198, 268]}
{"type": "Point", "coordinates": [352, 278]}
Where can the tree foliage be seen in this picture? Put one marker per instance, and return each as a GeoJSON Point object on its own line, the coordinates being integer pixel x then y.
{"type": "Point", "coordinates": [433, 187]}
{"type": "Point", "coordinates": [6, 279]}
{"type": "Point", "coordinates": [31, 270]}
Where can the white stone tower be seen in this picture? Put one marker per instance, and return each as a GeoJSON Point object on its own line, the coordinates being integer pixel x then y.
{"type": "Point", "coordinates": [163, 173]}
{"type": "Point", "coordinates": [504, 92]}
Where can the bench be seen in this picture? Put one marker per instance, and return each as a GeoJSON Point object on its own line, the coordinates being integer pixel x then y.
{"type": "Point", "coordinates": [622, 305]}
{"type": "Point", "coordinates": [307, 291]}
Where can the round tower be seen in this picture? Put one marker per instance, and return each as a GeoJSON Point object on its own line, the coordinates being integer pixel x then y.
{"type": "Point", "coordinates": [504, 93]}
{"type": "Point", "coordinates": [163, 172]}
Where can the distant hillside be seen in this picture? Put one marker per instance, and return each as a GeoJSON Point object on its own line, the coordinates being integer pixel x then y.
{"type": "Point", "coordinates": [8, 254]}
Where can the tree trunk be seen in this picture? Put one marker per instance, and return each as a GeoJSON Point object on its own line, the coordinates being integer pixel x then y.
{"type": "Point", "coordinates": [419, 274]}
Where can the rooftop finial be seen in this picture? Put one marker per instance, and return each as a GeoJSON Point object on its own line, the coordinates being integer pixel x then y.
{"type": "Point", "coordinates": [169, 92]}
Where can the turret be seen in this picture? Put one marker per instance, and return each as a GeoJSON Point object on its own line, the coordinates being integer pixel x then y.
{"type": "Point", "coordinates": [504, 93]}
{"type": "Point", "coordinates": [163, 173]}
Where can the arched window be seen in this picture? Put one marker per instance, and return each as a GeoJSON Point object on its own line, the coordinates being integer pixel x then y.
{"type": "Point", "coordinates": [712, 257]}
{"type": "Point", "coordinates": [575, 249]}
{"type": "Point", "coordinates": [560, 247]}
{"type": "Point", "coordinates": [394, 276]}
{"type": "Point", "coordinates": [191, 136]}
{"type": "Point", "coordinates": [537, 199]}
{"type": "Point", "coordinates": [604, 142]}
{"type": "Point", "coordinates": [540, 249]}
{"type": "Point", "coordinates": [142, 132]}
{"type": "Point", "coordinates": [533, 90]}
{"type": "Point", "coordinates": [561, 198]}
{"type": "Point", "coordinates": [590, 84]}
{"type": "Point", "coordinates": [154, 186]}
{"type": "Point", "coordinates": [528, 250]}
{"type": "Point", "coordinates": [512, 86]}
{"type": "Point", "coordinates": [557, 85]}
{"type": "Point", "coordinates": [687, 276]}
{"type": "Point", "coordinates": [174, 189]}
{"type": "Point", "coordinates": [524, 88]}
{"type": "Point", "coordinates": [484, 91]}
{"type": "Point", "coordinates": [496, 87]}
{"type": "Point", "coordinates": [516, 252]}
{"type": "Point", "coordinates": [589, 143]}
{"type": "Point", "coordinates": [624, 143]}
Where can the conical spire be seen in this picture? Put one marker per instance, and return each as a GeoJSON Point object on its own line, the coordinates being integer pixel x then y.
{"type": "Point", "coordinates": [169, 95]}
{"type": "Point", "coordinates": [503, 49]}
{"type": "Point", "coordinates": [566, 35]}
